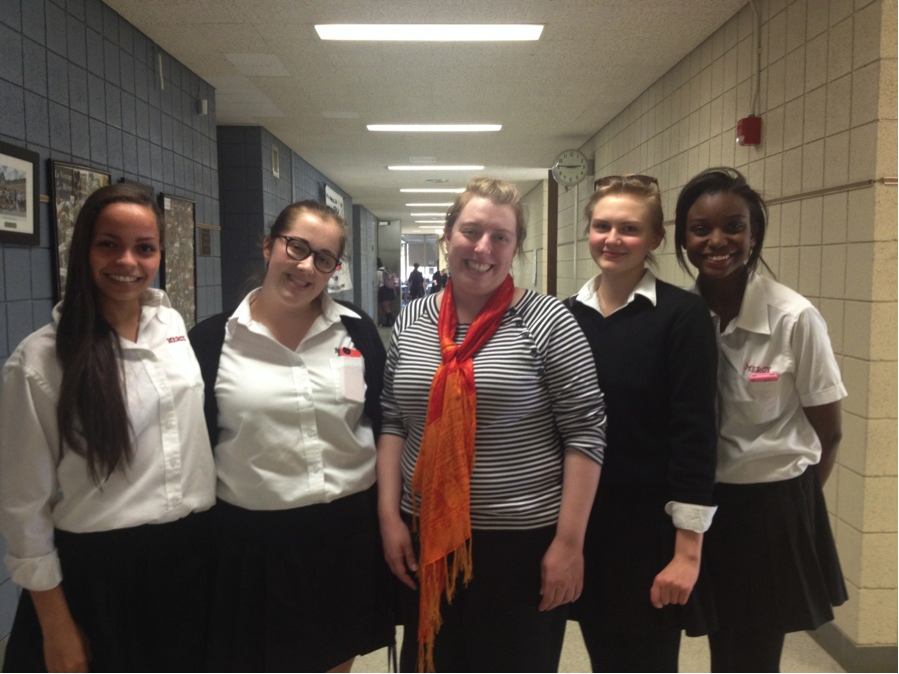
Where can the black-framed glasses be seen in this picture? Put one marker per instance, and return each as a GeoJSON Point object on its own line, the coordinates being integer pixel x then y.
{"type": "Point", "coordinates": [646, 181]}
{"type": "Point", "coordinates": [299, 249]}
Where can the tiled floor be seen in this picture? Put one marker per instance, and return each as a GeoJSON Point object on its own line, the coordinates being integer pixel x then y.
{"type": "Point", "coordinates": [801, 654]}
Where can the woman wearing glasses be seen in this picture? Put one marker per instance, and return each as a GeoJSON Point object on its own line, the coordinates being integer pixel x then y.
{"type": "Point", "coordinates": [655, 354]}
{"type": "Point", "coordinates": [293, 381]}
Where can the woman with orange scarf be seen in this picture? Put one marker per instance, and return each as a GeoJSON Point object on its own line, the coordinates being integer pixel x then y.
{"type": "Point", "coordinates": [490, 453]}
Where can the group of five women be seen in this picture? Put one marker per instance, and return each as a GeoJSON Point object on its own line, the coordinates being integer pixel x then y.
{"type": "Point", "coordinates": [467, 458]}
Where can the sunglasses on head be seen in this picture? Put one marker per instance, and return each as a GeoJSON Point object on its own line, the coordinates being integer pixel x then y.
{"type": "Point", "coordinates": [646, 181]}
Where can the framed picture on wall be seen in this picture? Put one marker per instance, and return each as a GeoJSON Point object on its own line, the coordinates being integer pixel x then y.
{"type": "Point", "coordinates": [72, 185]}
{"type": "Point", "coordinates": [177, 274]}
{"type": "Point", "coordinates": [19, 196]}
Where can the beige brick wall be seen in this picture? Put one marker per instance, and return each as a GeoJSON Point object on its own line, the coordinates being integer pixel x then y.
{"type": "Point", "coordinates": [827, 98]}
{"type": "Point", "coordinates": [535, 242]}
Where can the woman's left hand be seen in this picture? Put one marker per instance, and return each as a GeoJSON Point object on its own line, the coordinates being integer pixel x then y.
{"type": "Point", "coordinates": [674, 583]}
{"type": "Point", "coordinates": [562, 573]}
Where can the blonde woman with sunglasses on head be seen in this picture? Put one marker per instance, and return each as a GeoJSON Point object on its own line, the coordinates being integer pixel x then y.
{"type": "Point", "coordinates": [655, 355]}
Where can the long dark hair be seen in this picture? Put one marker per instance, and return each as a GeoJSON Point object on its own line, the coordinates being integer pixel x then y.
{"type": "Point", "coordinates": [91, 412]}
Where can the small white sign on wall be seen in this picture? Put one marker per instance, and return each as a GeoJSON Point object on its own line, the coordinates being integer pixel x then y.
{"type": "Point", "coordinates": [333, 199]}
{"type": "Point", "coordinates": [342, 278]}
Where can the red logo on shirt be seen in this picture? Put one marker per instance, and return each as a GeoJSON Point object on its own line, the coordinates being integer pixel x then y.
{"type": "Point", "coordinates": [757, 369]}
{"type": "Point", "coordinates": [179, 338]}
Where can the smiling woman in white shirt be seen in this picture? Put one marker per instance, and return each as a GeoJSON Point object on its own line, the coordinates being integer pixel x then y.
{"type": "Point", "coordinates": [293, 380]}
{"type": "Point", "coordinates": [105, 466]}
{"type": "Point", "coordinates": [771, 552]}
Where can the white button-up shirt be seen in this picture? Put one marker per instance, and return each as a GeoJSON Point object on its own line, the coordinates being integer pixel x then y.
{"type": "Point", "coordinates": [292, 428]}
{"type": "Point", "coordinates": [171, 473]}
{"type": "Point", "coordinates": [775, 359]}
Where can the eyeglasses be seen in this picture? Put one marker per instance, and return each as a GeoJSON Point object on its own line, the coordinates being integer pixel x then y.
{"type": "Point", "coordinates": [298, 249]}
{"type": "Point", "coordinates": [646, 181]}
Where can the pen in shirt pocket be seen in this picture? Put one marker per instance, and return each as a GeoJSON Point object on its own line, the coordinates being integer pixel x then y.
{"type": "Point", "coordinates": [348, 352]}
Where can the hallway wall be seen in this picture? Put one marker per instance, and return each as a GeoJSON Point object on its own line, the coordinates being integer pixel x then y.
{"type": "Point", "coordinates": [828, 105]}
{"type": "Point", "coordinates": [252, 197]}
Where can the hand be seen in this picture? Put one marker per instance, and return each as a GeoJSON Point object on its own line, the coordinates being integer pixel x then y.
{"type": "Point", "coordinates": [562, 575]}
{"type": "Point", "coordinates": [67, 649]}
{"type": "Point", "coordinates": [675, 582]}
{"type": "Point", "coordinates": [398, 550]}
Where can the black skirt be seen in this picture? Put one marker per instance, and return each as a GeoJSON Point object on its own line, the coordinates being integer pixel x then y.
{"type": "Point", "coordinates": [630, 539]}
{"type": "Point", "coordinates": [141, 596]}
{"type": "Point", "coordinates": [494, 623]}
{"type": "Point", "coordinates": [772, 556]}
{"type": "Point", "coordinates": [304, 589]}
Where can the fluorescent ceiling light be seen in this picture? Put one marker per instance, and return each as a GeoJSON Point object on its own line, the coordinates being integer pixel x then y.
{"type": "Point", "coordinates": [447, 205]}
{"type": "Point", "coordinates": [429, 32]}
{"type": "Point", "coordinates": [429, 167]}
{"type": "Point", "coordinates": [436, 223]}
{"type": "Point", "coordinates": [427, 215]}
{"type": "Point", "coordinates": [434, 128]}
{"type": "Point", "coordinates": [434, 190]}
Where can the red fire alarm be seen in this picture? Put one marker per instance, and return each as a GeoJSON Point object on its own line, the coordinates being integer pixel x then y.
{"type": "Point", "coordinates": [749, 130]}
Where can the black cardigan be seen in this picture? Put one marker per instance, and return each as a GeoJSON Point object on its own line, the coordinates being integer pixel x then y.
{"type": "Point", "coordinates": [657, 368]}
{"type": "Point", "coordinates": [208, 337]}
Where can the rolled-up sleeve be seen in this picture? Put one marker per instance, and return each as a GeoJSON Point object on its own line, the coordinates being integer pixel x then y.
{"type": "Point", "coordinates": [28, 446]}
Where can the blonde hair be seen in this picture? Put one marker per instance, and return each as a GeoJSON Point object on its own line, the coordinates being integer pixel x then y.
{"type": "Point", "coordinates": [496, 191]}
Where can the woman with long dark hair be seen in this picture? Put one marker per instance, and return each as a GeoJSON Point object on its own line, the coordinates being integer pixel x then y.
{"type": "Point", "coordinates": [105, 464]}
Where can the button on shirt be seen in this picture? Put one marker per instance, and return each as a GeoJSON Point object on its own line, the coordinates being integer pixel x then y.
{"type": "Point", "coordinates": [292, 429]}
{"type": "Point", "coordinates": [171, 473]}
{"type": "Point", "coordinates": [775, 359]}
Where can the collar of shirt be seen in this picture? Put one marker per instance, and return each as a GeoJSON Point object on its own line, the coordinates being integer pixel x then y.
{"type": "Point", "coordinates": [151, 300]}
{"type": "Point", "coordinates": [753, 315]}
{"type": "Point", "coordinates": [331, 314]}
{"type": "Point", "coordinates": [646, 287]}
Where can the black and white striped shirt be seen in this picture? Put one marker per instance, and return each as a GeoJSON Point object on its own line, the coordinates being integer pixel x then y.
{"type": "Point", "coordinates": [537, 396]}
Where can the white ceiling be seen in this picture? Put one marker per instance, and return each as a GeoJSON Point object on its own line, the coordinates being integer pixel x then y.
{"type": "Point", "coordinates": [269, 68]}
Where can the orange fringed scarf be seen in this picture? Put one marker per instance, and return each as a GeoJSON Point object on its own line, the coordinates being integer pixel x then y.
{"type": "Point", "coordinates": [441, 482]}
